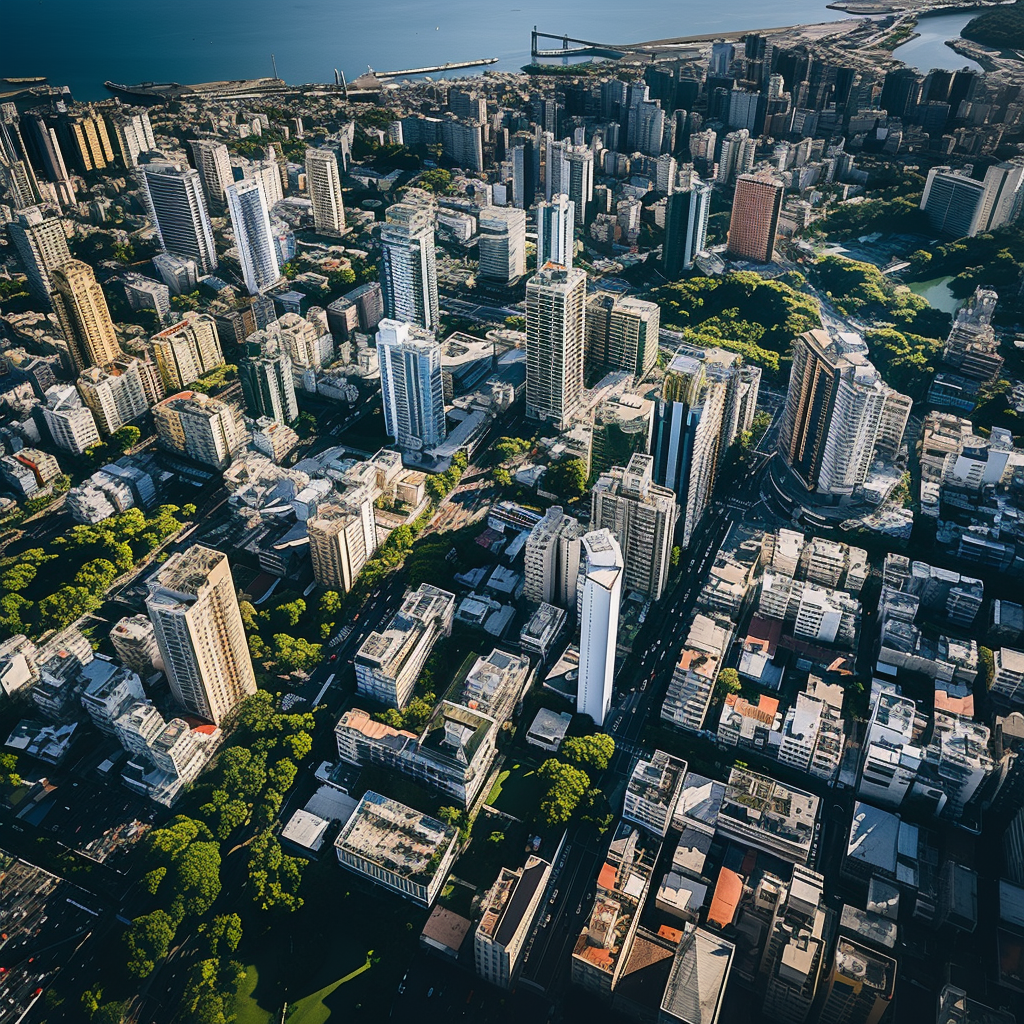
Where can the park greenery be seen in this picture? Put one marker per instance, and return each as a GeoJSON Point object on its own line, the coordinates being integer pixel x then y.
{"type": "Point", "coordinates": [741, 312]}
{"type": "Point", "coordinates": [566, 479]}
{"type": "Point", "coordinates": [1002, 28]}
{"type": "Point", "coordinates": [892, 208]}
{"type": "Point", "coordinates": [216, 380]}
{"type": "Point", "coordinates": [36, 598]}
{"type": "Point", "coordinates": [592, 753]}
{"type": "Point", "coordinates": [994, 259]}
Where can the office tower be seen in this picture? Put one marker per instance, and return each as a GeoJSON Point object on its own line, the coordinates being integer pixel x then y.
{"type": "Point", "coordinates": [747, 112]}
{"type": "Point", "coordinates": [556, 222]}
{"type": "Point", "coordinates": [19, 183]}
{"type": "Point", "coordinates": [721, 59]}
{"type": "Point", "coordinates": [266, 377]}
{"type": "Point", "coordinates": [642, 516]}
{"type": "Point", "coordinates": [83, 315]}
{"type": "Point", "coordinates": [838, 414]}
{"type": "Point", "coordinates": [901, 92]}
{"type": "Point", "coordinates": [622, 334]}
{"type": "Point", "coordinates": [268, 174]}
{"type": "Point", "coordinates": [187, 350]}
{"type": "Point", "coordinates": [145, 293]}
{"type": "Point", "coordinates": [688, 436]}
{"type": "Point", "coordinates": [755, 217]}
{"type": "Point", "coordinates": [570, 171]}
{"type": "Point", "coordinates": [555, 329]}
{"type": "Point", "coordinates": [342, 536]}
{"type": "Point", "coordinates": [408, 273]}
{"type": "Point", "coordinates": [502, 243]}
{"type": "Point", "coordinates": [213, 162]}
{"type": "Point", "coordinates": [174, 200]}
{"type": "Point", "coordinates": [524, 181]}
{"type": "Point", "coordinates": [251, 222]}
{"type": "Point", "coordinates": [462, 143]}
{"type": "Point", "coordinates": [133, 132]}
{"type": "Point", "coordinates": [666, 174]}
{"type": "Point", "coordinates": [411, 387]}
{"type": "Point", "coordinates": [552, 559]}
{"type": "Point", "coordinates": [389, 662]}
{"type": "Point", "coordinates": [686, 226]}
{"type": "Point", "coordinates": [602, 573]}
{"type": "Point", "coordinates": [323, 183]}
{"type": "Point", "coordinates": [361, 309]}
{"type": "Point", "coordinates": [647, 126]}
{"type": "Point", "coordinates": [181, 275]}
{"type": "Point", "coordinates": [199, 427]}
{"type": "Point", "coordinates": [15, 165]}
{"type": "Point", "coordinates": [795, 949]}
{"type": "Point", "coordinates": [954, 202]}
{"type": "Point", "coordinates": [622, 428]}
{"type": "Point", "coordinates": [71, 425]}
{"type": "Point", "coordinates": [42, 247]}
{"type": "Point", "coordinates": [860, 986]}
{"type": "Point", "coordinates": [199, 633]}
{"type": "Point", "coordinates": [45, 152]}
{"type": "Point", "coordinates": [114, 393]}
{"type": "Point", "coordinates": [1003, 195]}
{"type": "Point", "coordinates": [509, 910]}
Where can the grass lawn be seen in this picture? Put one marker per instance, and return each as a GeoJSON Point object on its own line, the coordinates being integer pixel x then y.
{"type": "Point", "coordinates": [247, 1010]}
{"type": "Point", "coordinates": [518, 789]}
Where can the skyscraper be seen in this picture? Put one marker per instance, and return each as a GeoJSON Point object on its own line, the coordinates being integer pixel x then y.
{"type": "Point", "coordinates": [408, 273]}
{"type": "Point", "coordinates": [552, 559]}
{"type": "Point", "coordinates": [323, 182]}
{"type": "Point", "coordinates": [556, 222]}
{"type": "Point", "coordinates": [115, 394]}
{"type": "Point", "coordinates": [133, 132]}
{"type": "Point", "coordinates": [555, 329]}
{"type": "Point", "coordinates": [755, 217]}
{"type": "Point", "coordinates": [213, 162]}
{"type": "Point", "coordinates": [642, 516]}
{"type": "Point", "coordinates": [502, 243]}
{"type": "Point", "coordinates": [599, 623]}
{"type": "Point", "coordinates": [342, 536]}
{"type": "Point", "coordinates": [251, 222]}
{"type": "Point", "coordinates": [524, 182]}
{"type": "Point", "coordinates": [838, 413]}
{"type": "Point", "coordinates": [1004, 194]}
{"type": "Point", "coordinates": [411, 387]}
{"type": "Point", "coordinates": [174, 199]}
{"type": "Point", "coordinates": [187, 350]}
{"type": "Point", "coordinates": [83, 315]}
{"type": "Point", "coordinates": [686, 226]}
{"type": "Point", "coordinates": [42, 246]}
{"type": "Point", "coordinates": [953, 202]}
{"type": "Point", "coordinates": [622, 334]}
{"type": "Point", "coordinates": [199, 633]}
{"type": "Point", "coordinates": [266, 376]}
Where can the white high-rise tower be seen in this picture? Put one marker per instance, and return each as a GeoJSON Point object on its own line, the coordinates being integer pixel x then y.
{"type": "Point", "coordinates": [599, 623]}
{"type": "Point", "coordinates": [411, 385]}
{"type": "Point", "coordinates": [174, 197]}
{"type": "Point", "coordinates": [408, 272]}
{"type": "Point", "coordinates": [251, 221]}
{"type": "Point", "coordinates": [555, 226]}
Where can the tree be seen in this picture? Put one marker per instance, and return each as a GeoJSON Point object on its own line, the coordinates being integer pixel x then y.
{"type": "Point", "coordinates": [295, 654]}
{"type": "Point", "coordinates": [223, 934]}
{"type": "Point", "coordinates": [502, 477]}
{"type": "Point", "coordinates": [9, 777]}
{"type": "Point", "coordinates": [986, 666]}
{"type": "Point", "coordinates": [65, 606]}
{"type": "Point", "coordinates": [96, 575]}
{"type": "Point", "coordinates": [728, 682]}
{"type": "Point", "coordinates": [195, 880]}
{"type": "Point", "coordinates": [566, 479]}
{"type": "Point", "coordinates": [593, 751]}
{"type": "Point", "coordinates": [288, 614]}
{"type": "Point", "coordinates": [274, 877]}
{"type": "Point", "coordinates": [567, 786]}
{"type": "Point", "coordinates": [126, 438]}
{"type": "Point", "coordinates": [329, 605]}
{"type": "Point", "coordinates": [148, 940]}
{"type": "Point", "coordinates": [18, 576]}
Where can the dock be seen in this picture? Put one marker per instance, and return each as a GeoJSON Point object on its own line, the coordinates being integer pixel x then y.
{"type": "Point", "coordinates": [452, 65]}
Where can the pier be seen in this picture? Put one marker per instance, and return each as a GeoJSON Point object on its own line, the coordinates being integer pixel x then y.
{"type": "Point", "coordinates": [452, 65]}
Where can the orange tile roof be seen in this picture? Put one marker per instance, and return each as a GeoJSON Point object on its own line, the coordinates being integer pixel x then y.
{"type": "Point", "coordinates": [672, 934]}
{"type": "Point", "coordinates": [606, 879]}
{"type": "Point", "coordinates": [726, 899]}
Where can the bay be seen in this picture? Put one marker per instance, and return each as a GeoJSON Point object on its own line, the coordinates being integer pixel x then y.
{"type": "Point", "coordinates": [929, 49]}
{"type": "Point", "coordinates": [81, 43]}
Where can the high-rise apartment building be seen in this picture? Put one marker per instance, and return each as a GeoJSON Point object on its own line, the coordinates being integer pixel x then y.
{"type": "Point", "coordinates": [213, 162]}
{"type": "Point", "coordinates": [266, 377]}
{"type": "Point", "coordinates": [509, 911]}
{"type": "Point", "coordinates": [408, 272]}
{"type": "Point", "coordinates": [838, 414]}
{"type": "Point", "coordinates": [412, 390]}
{"type": "Point", "coordinates": [134, 643]}
{"type": "Point", "coordinates": [602, 572]}
{"type": "Point", "coordinates": [755, 217]}
{"type": "Point", "coordinates": [555, 330]}
{"type": "Point", "coordinates": [308, 344]}
{"type": "Point", "coordinates": [251, 222]}
{"type": "Point", "coordinates": [180, 274]}
{"type": "Point", "coordinates": [1003, 196]}
{"type": "Point", "coordinates": [133, 133]}
{"type": "Point", "coordinates": [187, 350]}
{"type": "Point", "coordinates": [552, 555]}
{"type": "Point", "coordinates": [83, 315]}
{"type": "Point", "coordinates": [556, 222]}
{"type": "Point", "coordinates": [115, 393]}
{"type": "Point", "coordinates": [323, 182]}
{"type": "Point", "coordinates": [622, 334]}
{"type": "Point", "coordinates": [502, 243]}
{"type": "Point", "coordinates": [199, 633]}
{"type": "Point", "coordinates": [389, 662]}
{"type": "Point", "coordinates": [342, 537]}
{"type": "Point", "coordinates": [174, 201]}
{"type": "Point", "coordinates": [686, 226]}
{"type": "Point", "coordinates": [71, 424]}
{"type": "Point", "coordinates": [42, 247]}
{"type": "Point", "coordinates": [200, 427]}
{"type": "Point", "coordinates": [642, 516]}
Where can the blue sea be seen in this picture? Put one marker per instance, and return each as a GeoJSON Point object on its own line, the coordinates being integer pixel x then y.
{"type": "Point", "coordinates": [81, 43]}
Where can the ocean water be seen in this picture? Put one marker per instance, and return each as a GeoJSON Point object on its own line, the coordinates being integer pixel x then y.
{"type": "Point", "coordinates": [82, 43]}
{"type": "Point", "coordinates": [929, 49]}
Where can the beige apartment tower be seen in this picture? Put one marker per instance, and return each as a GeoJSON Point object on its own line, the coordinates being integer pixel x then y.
{"type": "Point", "coordinates": [83, 315]}
{"type": "Point", "coordinates": [187, 350]}
{"type": "Point", "coordinates": [341, 539]}
{"type": "Point", "coordinates": [199, 632]}
{"type": "Point", "coordinates": [755, 217]}
{"type": "Point", "coordinates": [323, 182]}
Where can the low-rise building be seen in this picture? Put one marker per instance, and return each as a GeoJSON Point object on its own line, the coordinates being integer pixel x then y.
{"type": "Point", "coordinates": [693, 679]}
{"type": "Point", "coordinates": [397, 847]}
{"type": "Point", "coordinates": [652, 792]}
{"type": "Point", "coordinates": [542, 630]}
{"type": "Point", "coordinates": [548, 730]}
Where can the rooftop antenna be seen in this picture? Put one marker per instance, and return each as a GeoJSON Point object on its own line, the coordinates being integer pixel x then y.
{"type": "Point", "coordinates": [273, 61]}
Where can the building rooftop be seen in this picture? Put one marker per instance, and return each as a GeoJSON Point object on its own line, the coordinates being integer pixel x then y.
{"type": "Point", "coordinates": [874, 835]}
{"type": "Point", "coordinates": [700, 799]}
{"type": "Point", "coordinates": [763, 805]}
{"type": "Point", "coordinates": [696, 983]}
{"type": "Point", "coordinates": [508, 901]}
{"type": "Point", "coordinates": [306, 830]}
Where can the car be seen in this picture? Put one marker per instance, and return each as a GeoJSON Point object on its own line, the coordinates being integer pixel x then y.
{"type": "Point", "coordinates": [547, 921]}
{"type": "Point", "coordinates": [334, 657]}
{"type": "Point", "coordinates": [554, 896]}
{"type": "Point", "coordinates": [430, 991]}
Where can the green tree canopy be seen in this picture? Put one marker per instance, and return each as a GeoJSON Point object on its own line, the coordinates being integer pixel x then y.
{"type": "Point", "coordinates": [594, 752]}
{"type": "Point", "coordinates": [567, 786]}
